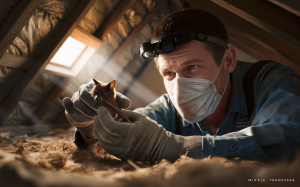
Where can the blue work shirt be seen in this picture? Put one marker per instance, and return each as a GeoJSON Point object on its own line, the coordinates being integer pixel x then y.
{"type": "Point", "coordinates": [272, 132]}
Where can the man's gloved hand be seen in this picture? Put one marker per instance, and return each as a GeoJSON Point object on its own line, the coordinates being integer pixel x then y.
{"type": "Point", "coordinates": [81, 108]}
{"type": "Point", "coordinates": [143, 139]}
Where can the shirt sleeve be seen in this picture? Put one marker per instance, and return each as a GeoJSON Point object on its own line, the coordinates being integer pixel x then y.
{"type": "Point", "coordinates": [275, 129]}
{"type": "Point", "coordinates": [162, 111]}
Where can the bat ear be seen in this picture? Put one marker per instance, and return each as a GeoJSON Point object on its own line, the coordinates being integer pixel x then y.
{"type": "Point", "coordinates": [111, 85]}
{"type": "Point", "coordinates": [96, 82]}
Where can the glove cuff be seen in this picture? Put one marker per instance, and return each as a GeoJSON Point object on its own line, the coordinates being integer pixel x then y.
{"type": "Point", "coordinates": [87, 131]}
{"type": "Point", "coordinates": [178, 145]}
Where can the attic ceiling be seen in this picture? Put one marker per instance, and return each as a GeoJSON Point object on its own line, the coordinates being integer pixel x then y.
{"type": "Point", "coordinates": [32, 31]}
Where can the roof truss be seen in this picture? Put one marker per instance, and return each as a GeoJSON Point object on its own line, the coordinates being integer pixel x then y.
{"type": "Point", "coordinates": [41, 62]}
{"type": "Point", "coordinates": [15, 21]}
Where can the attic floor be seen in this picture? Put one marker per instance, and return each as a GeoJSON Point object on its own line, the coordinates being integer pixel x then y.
{"type": "Point", "coordinates": [55, 156]}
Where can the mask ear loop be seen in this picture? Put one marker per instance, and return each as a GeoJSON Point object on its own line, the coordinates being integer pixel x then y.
{"type": "Point", "coordinates": [220, 66]}
{"type": "Point", "coordinates": [225, 72]}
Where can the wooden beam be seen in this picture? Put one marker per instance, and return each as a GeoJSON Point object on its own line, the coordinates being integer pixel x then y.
{"type": "Point", "coordinates": [130, 38]}
{"type": "Point", "coordinates": [253, 26]}
{"type": "Point", "coordinates": [15, 21]}
{"type": "Point", "coordinates": [290, 5]}
{"type": "Point", "coordinates": [271, 14]}
{"type": "Point", "coordinates": [114, 18]}
{"type": "Point", "coordinates": [18, 62]}
{"type": "Point", "coordinates": [164, 6]}
{"type": "Point", "coordinates": [86, 38]}
{"type": "Point", "coordinates": [257, 50]}
{"type": "Point", "coordinates": [41, 62]}
{"type": "Point", "coordinates": [51, 98]}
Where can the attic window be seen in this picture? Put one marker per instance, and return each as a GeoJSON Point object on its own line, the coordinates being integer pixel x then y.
{"type": "Point", "coordinates": [68, 52]}
{"type": "Point", "coordinates": [73, 54]}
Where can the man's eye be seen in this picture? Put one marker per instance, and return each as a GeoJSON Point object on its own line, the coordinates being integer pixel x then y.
{"type": "Point", "coordinates": [169, 73]}
{"type": "Point", "coordinates": [193, 66]}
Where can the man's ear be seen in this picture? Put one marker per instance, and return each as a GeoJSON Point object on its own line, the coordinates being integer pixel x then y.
{"type": "Point", "coordinates": [96, 82]}
{"type": "Point", "coordinates": [230, 58]}
{"type": "Point", "coordinates": [111, 85]}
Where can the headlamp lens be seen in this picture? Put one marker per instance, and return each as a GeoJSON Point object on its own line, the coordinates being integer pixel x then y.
{"type": "Point", "coordinates": [147, 55]}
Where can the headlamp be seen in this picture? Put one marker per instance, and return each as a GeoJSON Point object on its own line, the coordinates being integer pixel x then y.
{"type": "Point", "coordinates": [169, 42]}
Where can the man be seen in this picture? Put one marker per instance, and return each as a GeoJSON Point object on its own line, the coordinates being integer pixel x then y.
{"type": "Point", "coordinates": [204, 84]}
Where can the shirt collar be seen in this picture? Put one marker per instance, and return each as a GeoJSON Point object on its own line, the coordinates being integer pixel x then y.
{"type": "Point", "coordinates": [237, 98]}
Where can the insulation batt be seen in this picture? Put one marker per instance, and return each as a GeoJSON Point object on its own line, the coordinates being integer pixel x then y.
{"type": "Point", "coordinates": [53, 160]}
{"type": "Point", "coordinates": [40, 29]}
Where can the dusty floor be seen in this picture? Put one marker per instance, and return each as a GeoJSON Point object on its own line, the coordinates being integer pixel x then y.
{"type": "Point", "coordinates": [54, 160]}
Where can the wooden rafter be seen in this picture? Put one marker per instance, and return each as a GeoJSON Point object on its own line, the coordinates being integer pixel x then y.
{"type": "Point", "coordinates": [41, 62]}
{"type": "Point", "coordinates": [15, 21]}
{"type": "Point", "coordinates": [291, 6]}
{"type": "Point", "coordinates": [24, 63]}
{"type": "Point", "coordinates": [86, 38]}
{"type": "Point", "coordinates": [114, 18]}
{"type": "Point", "coordinates": [257, 50]}
{"type": "Point", "coordinates": [271, 14]}
{"type": "Point", "coordinates": [18, 62]}
{"type": "Point", "coordinates": [251, 25]}
{"type": "Point", "coordinates": [129, 39]}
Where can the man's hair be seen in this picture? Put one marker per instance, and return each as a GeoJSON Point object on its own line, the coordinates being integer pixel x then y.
{"type": "Point", "coordinates": [194, 20]}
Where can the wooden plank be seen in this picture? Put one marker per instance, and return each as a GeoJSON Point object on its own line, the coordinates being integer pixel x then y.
{"type": "Point", "coordinates": [51, 98]}
{"type": "Point", "coordinates": [271, 14]}
{"type": "Point", "coordinates": [86, 38]}
{"type": "Point", "coordinates": [130, 38]}
{"type": "Point", "coordinates": [42, 61]}
{"type": "Point", "coordinates": [114, 18]}
{"type": "Point", "coordinates": [33, 129]}
{"type": "Point", "coordinates": [257, 50]}
{"type": "Point", "coordinates": [15, 21]}
{"type": "Point", "coordinates": [18, 62]}
{"type": "Point", "coordinates": [253, 26]}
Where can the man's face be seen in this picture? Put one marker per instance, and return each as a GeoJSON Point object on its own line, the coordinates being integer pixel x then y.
{"type": "Point", "coordinates": [191, 60]}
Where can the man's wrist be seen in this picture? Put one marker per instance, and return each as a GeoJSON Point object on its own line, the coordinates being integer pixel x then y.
{"type": "Point", "coordinates": [178, 145]}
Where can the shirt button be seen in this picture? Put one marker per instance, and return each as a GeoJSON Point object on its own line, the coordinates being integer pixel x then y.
{"type": "Point", "coordinates": [233, 147]}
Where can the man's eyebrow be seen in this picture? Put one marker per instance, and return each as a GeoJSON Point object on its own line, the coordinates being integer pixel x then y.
{"type": "Point", "coordinates": [191, 61]}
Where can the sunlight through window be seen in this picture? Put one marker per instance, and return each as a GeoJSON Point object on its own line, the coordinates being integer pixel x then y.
{"type": "Point", "coordinates": [69, 52]}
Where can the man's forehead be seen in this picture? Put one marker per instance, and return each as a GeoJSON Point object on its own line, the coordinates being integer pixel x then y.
{"type": "Point", "coordinates": [191, 52]}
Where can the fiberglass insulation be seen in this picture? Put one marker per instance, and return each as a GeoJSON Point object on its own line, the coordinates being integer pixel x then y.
{"type": "Point", "coordinates": [30, 42]}
{"type": "Point", "coordinates": [45, 22]}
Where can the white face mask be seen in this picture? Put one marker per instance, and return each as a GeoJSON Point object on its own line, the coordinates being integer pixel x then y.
{"type": "Point", "coordinates": [194, 98]}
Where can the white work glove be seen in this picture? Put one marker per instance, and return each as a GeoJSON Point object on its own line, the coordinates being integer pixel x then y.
{"type": "Point", "coordinates": [143, 139]}
{"type": "Point", "coordinates": [81, 108]}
